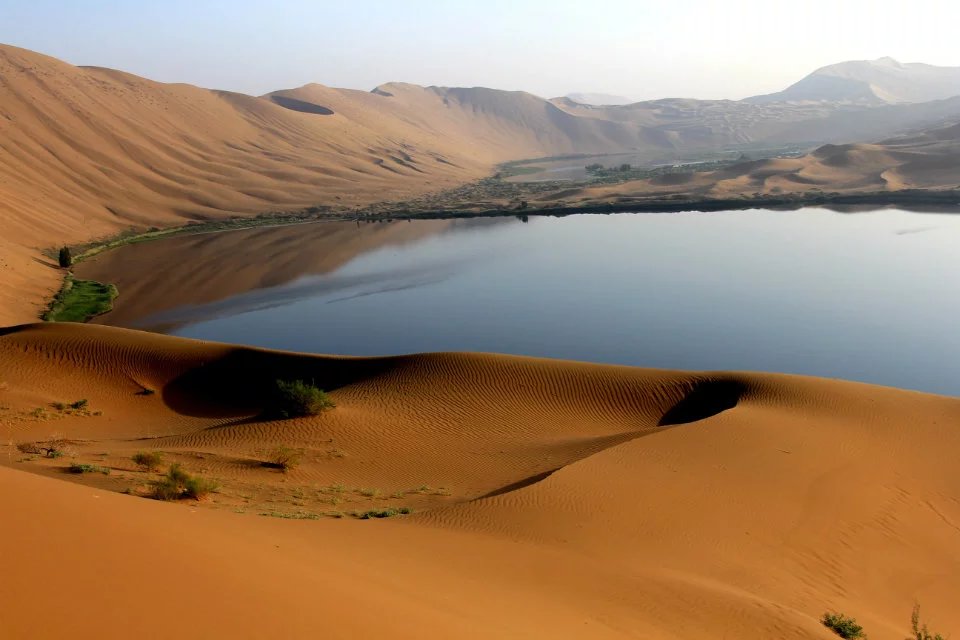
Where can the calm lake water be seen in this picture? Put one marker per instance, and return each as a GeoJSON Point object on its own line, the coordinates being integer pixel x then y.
{"type": "Point", "coordinates": [862, 296]}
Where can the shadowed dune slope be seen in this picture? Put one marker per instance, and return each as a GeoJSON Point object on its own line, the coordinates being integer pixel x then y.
{"type": "Point", "coordinates": [589, 501]}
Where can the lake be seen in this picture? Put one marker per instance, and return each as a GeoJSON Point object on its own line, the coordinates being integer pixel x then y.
{"type": "Point", "coordinates": [868, 296]}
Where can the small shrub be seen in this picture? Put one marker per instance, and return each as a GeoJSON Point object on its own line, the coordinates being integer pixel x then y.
{"type": "Point", "coordinates": [199, 488]}
{"type": "Point", "coordinates": [383, 513]}
{"type": "Point", "coordinates": [283, 458]}
{"type": "Point", "coordinates": [297, 398]}
{"type": "Point", "coordinates": [918, 632]}
{"type": "Point", "coordinates": [59, 406]}
{"type": "Point", "coordinates": [177, 484]}
{"type": "Point", "coordinates": [166, 489]}
{"type": "Point", "coordinates": [79, 404]}
{"type": "Point", "coordinates": [843, 626]}
{"type": "Point", "coordinates": [65, 258]}
{"type": "Point", "coordinates": [88, 468]}
{"type": "Point", "coordinates": [149, 460]}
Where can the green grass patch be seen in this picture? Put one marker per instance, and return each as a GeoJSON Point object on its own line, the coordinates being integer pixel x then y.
{"type": "Point", "coordinates": [80, 300]}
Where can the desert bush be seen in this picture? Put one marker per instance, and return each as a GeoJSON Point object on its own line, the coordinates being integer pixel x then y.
{"type": "Point", "coordinates": [65, 258]}
{"type": "Point", "coordinates": [383, 513]}
{"type": "Point", "coordinates": [149, 460]}
{"type": "Point", "coordinates": [177, 484]}
{"type": "Point", "coordinates": [199, 488]}
{"type": "Point", "coordinates": [843, 626]}
{"type": "Point", "coordinates": [292, 399]}
{"type": "Point", "coordinates": [283, 458]}
{"type": "Point", "coordinates": [88, 468]}
{"type": "Point", "coordinates": [79, 404]}
{"type": "Point", "coordinates": [918, 632]}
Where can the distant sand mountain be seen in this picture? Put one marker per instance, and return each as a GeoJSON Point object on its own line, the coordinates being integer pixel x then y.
{"type": "Point", "coordinates": [882, 81]}
{"type": "Point", "coordinates": [601, 99]}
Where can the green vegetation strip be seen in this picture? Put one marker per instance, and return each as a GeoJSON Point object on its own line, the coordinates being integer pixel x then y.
{"type": "Point", "coordinates": [80, 300]}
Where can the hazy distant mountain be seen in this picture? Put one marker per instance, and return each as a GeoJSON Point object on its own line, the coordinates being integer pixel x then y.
{"type": "Point", "coordinates": [600, 99]}
{"type": "Point", "coordinates": [869, 82]}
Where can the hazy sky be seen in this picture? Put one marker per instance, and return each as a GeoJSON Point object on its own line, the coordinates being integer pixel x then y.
{"type": "Point", "coordinates": [641, 49]}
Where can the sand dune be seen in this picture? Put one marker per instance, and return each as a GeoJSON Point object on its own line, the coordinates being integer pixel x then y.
{"type": "Point", "coordinates": [583, 500]}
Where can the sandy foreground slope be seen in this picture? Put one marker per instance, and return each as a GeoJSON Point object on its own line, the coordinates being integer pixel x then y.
{"type": "Point", "coordinates": [581, 501]}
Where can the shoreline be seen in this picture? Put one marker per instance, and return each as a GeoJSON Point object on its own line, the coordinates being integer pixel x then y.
{"type": "Point", "coordinates": [939, 199]}
{"type": "Point", "coordinates": [949, 198]}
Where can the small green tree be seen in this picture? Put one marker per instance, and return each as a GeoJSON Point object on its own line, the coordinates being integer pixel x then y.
{"type": "Point", "coordinates": [65, 258]}
{"type": "Point", "coordinates": [918, 632]}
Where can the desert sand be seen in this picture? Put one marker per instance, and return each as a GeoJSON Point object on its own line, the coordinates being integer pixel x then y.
{"type": "Point", "coordinates": [577, 500]}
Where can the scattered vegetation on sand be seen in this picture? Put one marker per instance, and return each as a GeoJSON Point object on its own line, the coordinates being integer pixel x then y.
{"type": "Point", "coordinates": [80, 300]}
{"type": "Point", "coordinates": [383, 513]}
{"type": "Point", "coordinates": [918, 632]}
{"type": "Point", "coordinates": [843, 626]}
{"type": "Point", "coordinates": [178, 484]}
{"type": "Point", "coordinates": [148, 460]}
{"type": "Point", "coordinates": [298, 515]}
{"type": "Point", "coordinates": [88, 468]}
{"type": "Point", "coordinates": [284, 459]}
{"type": "Point", "coordinates": [296, 398]}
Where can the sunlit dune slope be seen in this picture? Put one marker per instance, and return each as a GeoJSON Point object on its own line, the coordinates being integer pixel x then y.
{"type": "Point", "coordinates": [586, 500]}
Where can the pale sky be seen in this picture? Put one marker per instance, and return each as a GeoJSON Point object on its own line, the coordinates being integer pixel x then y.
{"type": "Point", "coordinates": [636, 48]}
